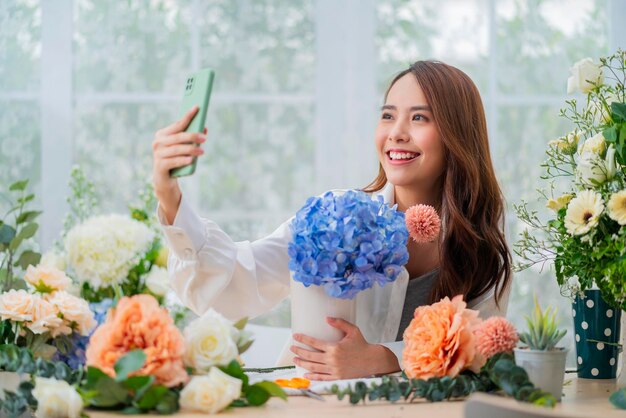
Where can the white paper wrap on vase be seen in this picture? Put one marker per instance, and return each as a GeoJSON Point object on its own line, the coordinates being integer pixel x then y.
{"type": "Point", "coordinates": [309, 308]}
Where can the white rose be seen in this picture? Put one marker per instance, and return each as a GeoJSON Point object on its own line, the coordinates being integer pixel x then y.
{"type": "Point", "coordinates": [591, 170]}
{"type": "Point", "coordinates": [211, 393]}
{"type": "Point", "coordinates": [596, 144]}
{"type": "Point", "coordinates": [210, 340]}
{"type": "Point", "coordinates": [585, 76]}
{"type": "Point", "coordinates": [56, 399]}
{"type": "Point", "coordinates": [75, 311]}
{"type": "Point", "coordinates": [158, 281]}
{"type": "Point", "coordinates": [53, 259]}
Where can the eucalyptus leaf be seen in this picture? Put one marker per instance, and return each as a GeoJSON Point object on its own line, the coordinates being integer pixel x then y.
{"type": "Point", "coordinates": [7, 233]}
{"type": "Point", "coordinates": [129, 363]}
{"type": "Point", "coordinates": [152, 397]}
{"type": "Point", "coordinates": [27, 258]}
{"type": "Point", "coordinates": [27, 232]}
{"type": "Point", "coordinates": [28, 216]}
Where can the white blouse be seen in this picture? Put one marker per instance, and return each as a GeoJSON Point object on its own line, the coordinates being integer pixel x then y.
{"type": "Point", "coordinates": [246, 279]}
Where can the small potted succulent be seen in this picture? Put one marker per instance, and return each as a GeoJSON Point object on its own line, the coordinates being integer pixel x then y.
{"type": "Point", "coordinates": [541, 358]}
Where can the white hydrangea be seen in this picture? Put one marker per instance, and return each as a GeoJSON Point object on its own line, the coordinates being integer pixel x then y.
{"type": "Point", "coordinates": [103, 249]}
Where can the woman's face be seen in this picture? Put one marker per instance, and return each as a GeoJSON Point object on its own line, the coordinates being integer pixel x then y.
{"type": "Point", "coordinates": [407, 140]}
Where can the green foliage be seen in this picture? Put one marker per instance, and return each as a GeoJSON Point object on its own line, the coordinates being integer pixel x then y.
{"type": "Point", "coordinates": [17, 226]}
{"type": "Point", "coordinates": [129, 394]}
{"type": "Point", "coordinates": [21, 360]}
{"type": "Point", "coordinates": [252, 395]}
{"type": "Point", "coordinates": [597, 257]}
{"type": "Point", "coordinates": [83, 200]}
{"type": "Point", "coordinates": [500, 373]}
{"type": "Point", "coordinates": [543, 333]}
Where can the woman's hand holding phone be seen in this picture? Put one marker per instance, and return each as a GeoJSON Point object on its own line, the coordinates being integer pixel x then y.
{"type": "Point", "coordinates": [172, 148]}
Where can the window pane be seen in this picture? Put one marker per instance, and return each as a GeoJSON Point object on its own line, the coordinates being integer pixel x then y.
{"type": "Point", "coordinates": [113, 145]}
{"type": "Point", "coordinates": [537, 42]}
{"type": "Point", "coordinates": [20, 45]}
{"type": "Point", "coordinates": [518, 151]}
{"type": "Point", "coordinates": [259, 46]}
{"type": "Point", "coordinates": [258, 157]}
{"type": "Point", "coordinates": [20, 149]}
{"type": "Point", "coordinates": [122, 46]}
{"type": "Point", "coordinates": [455, 32]}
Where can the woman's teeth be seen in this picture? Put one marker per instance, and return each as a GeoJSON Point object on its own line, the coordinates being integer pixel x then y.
{"type": "Point", "coordinates": [401, 155]}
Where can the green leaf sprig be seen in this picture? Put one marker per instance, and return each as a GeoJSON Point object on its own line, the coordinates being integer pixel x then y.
{"type": "Point", "coordinates": [500, 373]}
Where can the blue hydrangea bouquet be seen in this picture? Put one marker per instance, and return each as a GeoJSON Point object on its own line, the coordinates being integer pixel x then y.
{"type": "Point", "coordinates": [346, 243]}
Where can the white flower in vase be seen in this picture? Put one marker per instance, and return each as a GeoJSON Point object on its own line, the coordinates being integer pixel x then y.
{"type": "Point", "coordinates": [583, 212]}
{"type": "Point", "coordinates": [585, 76]}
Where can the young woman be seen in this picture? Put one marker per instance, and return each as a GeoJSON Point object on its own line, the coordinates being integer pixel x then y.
{"type": "Point", "coordinates": [432, 146]}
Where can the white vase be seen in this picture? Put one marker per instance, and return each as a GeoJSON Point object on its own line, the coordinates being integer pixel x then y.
{"type": "Point", "coordinates": [309, 308]}
{"type": "Point", "coordinates": [546, 369]}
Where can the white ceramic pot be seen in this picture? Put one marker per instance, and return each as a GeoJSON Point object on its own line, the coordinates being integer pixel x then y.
{"type": "Point", "coordinates": [309, 308]}
{"type": "Point", "coordinates": [546, 369]}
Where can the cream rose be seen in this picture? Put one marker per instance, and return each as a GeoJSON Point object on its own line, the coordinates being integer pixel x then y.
{"type": "Point", "coordinates": [46, 318]}
{"type": "Point", "coordinates": [75, 312]}
{"type": "Point", "coordinates": [585, 76]}
{"type": "Point", "coordinates": [46, 278]}
{"type": "Point", "coordinates": [158, 281]}
{"type": "Point", "coordinates": [211, 393]}
{"type": "Point", "coordinates": [210, 340]}
{"type": "Point", "coordinates": [567, 144]}
{"type": "Point", "coordinates": [16, 305]}
{"type": "Point", "coordinates": [56, 399]}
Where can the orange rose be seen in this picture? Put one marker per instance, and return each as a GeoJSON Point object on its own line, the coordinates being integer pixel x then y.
{"type": "Point", "coordinates": [439, 341]}
{"type": "Point", "coordinates": [138, 322]}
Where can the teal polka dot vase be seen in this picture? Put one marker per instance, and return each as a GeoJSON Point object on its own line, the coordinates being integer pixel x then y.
{"type": "Point", "coordinates": [596, 332]}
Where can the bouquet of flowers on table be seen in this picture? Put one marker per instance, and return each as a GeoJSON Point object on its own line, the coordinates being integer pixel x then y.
{"type": "Point", "coordinates": [585, 236]}
{"type": "Point", "coordinates": [138, 361]}
{"type": "Point", "coordinates": [450, 353]}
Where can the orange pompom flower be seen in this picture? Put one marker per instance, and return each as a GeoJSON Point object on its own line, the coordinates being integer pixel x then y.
{"type": "Point", "coordinates": [138, 322]}
{"type": "Point", "coordinates": [423, 223]}
{"type": "Point", "coordinates": [495, 335]}
{"type": "Point", "coordinates": [440, 340]}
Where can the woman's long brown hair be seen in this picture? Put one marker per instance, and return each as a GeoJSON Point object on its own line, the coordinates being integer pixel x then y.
{"type": "Point", "coordinates": [475, 256]}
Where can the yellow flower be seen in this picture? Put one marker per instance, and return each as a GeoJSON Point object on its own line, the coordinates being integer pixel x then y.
{"type": "Point", "coordinates": [617, 207]}
{"type": "Point", "coordinates": [567, 144]}
{"type": "Point", "coordinates": [583, 212]}
{"type": "Point", "coordinates": [560, 202]}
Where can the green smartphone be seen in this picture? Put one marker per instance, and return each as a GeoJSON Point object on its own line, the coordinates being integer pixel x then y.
{"type": "Point", "coordinates": [197, 93]}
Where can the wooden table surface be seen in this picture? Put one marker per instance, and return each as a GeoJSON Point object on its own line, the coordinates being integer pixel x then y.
{"type": "Point", "coordinates": [582, 398]}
